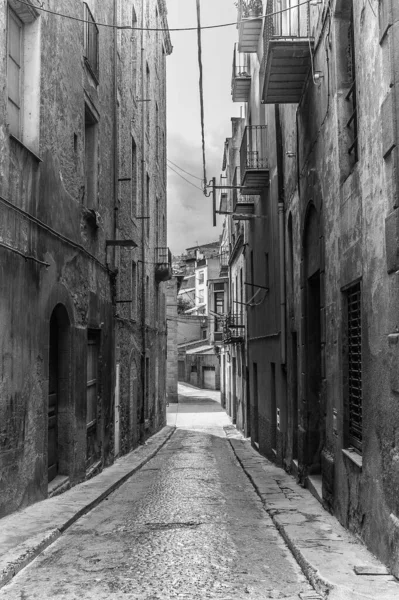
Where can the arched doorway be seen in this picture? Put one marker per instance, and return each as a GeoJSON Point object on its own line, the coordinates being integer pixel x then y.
{"type": "Point", "coordinates": [314, 421]}
{"type": "Point", "coordinates": [134, 404]}
{"type": "Point", "coordinates": [58, 393]}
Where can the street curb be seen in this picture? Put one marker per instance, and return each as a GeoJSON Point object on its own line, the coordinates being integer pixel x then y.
{"type": "Point", "coordinates": [322, 585]}
{"type": "Point", "coordinates": [25, 553]}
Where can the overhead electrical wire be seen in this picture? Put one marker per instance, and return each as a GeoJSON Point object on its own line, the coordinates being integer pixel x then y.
{"type": "Point", "coordinates": [186, 172]}
{"type": "Point", "coordinates": [129, 27]}
{"type": "Point", "coordinates": [188, 181]}
{"type": "Point", "coordinates": [201, 90]}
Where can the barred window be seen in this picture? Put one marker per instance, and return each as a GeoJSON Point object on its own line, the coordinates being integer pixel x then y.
{"type": "Point", "coordinates": [351, 96]}
{"type": "Point", "coordinates": [91, 42]}
{"type": "Point", "coordinates": [354, 366]}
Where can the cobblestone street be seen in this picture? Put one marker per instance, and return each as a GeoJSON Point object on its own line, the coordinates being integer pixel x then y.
{"type": "Point", "coordinates": [187, 525]}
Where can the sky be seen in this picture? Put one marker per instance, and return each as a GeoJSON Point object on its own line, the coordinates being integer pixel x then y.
{"type": "Point", "coordinates": [189, 211]}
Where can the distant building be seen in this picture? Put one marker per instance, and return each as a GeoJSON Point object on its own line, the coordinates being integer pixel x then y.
{"type": "Point", "coordinates": [198, 361]}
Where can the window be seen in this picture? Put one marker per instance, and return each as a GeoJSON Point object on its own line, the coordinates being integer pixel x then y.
{"type": "Point", "coordinates": [219, 309]}
{"type": "Point", "coordinates": [267, 272]}
{"type": "Point", "coordinates": [14, 79]}
{"type": "Point", "coordinates": [219, 303]}
{"type": "Point", "coordinates": [91, 42]}
{"type": "Point", "coordinates": [252, 273]}
{"type": "Point", "coordinates": [157, 217]}
{"type": "Point", "coordinates": [147, 215]}
{"type": "Point", "coordinates": [354, 366]}
{"type": "Point", "coordinates": [91, 158]}
{"type": "Point", "coordinates": [134, 180]}
{"type": "Point", "coordinates": [201, 277]}
{"type": "Point", "coordinates": [157, 132]}
{"type": "Point", "coordinates": [201, 296]}
{"type": "Point", "coordinates": [133, 312]}
{"type": "Point", "coordinates": [351, 97]}
{"type": "Point", "coordinates": [23, 73]}
{"type": "Point", "coordinates": [147, 387]}
{"type": "Point", "coordinates": [148, 103]}
{"type": "Point", "coordinates": [93, 344]}
{"type": "Point", "coordinates": [135, 56]}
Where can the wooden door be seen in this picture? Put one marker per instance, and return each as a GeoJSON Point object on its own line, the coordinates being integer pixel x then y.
{"type": "Point", "coordinates": [52, 450]}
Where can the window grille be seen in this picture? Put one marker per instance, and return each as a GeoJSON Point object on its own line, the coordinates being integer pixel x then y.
{"type": "Point", "coordinates": [91, 42]}
{"type": "Point", "coordinates": [355, 366]}
{"type": "Point", "coordinates": [351, 96]}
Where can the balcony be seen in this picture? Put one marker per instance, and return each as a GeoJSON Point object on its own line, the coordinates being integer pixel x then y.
{"type": "Point", "coordinates": [243, 206]}
{"type": "Point", "coordinates": [234, 329]}
{"type": "Point", "coordinates": [254, 166]}
{"type": "Point", "coordinates": [287, 52]}
{"type": "Point", "coordinates": [241, 78]}
{"type": "Point", "coordinates": [249, 24]}
{"type": "Point", "coordinates": [223, 195]}
{"type": "Point", "coordinates": [163, 264]}
{"type": "Point", "coordinates": [224, 263]}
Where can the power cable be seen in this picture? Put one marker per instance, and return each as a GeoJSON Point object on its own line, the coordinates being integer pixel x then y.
{"type": "Point", "coordinates": [181, 169]}
{"type": "Point", "coordinates": [190, 182]}
{"type": "Point", "coordinates": [201, 90]}
{"type": "Point", "coordinates": [129, 27]}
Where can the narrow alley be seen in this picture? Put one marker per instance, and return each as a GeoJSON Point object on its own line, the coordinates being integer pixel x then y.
{"type": "Point", "coordinates": [189, 524]}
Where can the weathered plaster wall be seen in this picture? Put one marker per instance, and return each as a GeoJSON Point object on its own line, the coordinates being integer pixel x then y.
{"type": "Point", "coordinates": [43, 217]}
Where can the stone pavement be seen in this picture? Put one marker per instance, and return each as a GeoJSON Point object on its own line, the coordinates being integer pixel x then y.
{"type": "Point", "coordinates": [25, 534]}
{"type": "Point", "coordinates": [327, 553]}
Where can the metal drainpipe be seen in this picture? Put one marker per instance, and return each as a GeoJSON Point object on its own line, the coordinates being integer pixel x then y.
{"type": "Point", "coordinates": [282, 281]}
{"type": "Point", "coordinates": [143, 228]}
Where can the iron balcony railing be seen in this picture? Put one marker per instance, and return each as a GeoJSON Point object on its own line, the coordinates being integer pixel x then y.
{"type": "Point", "coordinates": [163, 264]}
{"type": "Point", "coordinates": [241, 77]}
{"type": "Point", "coordinates": [224, 258]}
{"type": "Point", "coordinates": [234, 328]}
{"type": "Point", "coordinates": [253, 150]}
{"type": "Point", "coordinates": [238, 198]}
{"type": "Point", "coordinates": [240, 65]}
{"type": "Point", "coordinates": [291, 23]}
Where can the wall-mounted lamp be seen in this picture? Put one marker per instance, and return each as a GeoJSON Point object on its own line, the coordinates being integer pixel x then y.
{"type": "Point", "coordinates": [318, 76]}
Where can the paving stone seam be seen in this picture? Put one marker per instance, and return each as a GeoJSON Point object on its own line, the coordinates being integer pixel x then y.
{"type": "Point", "coordinates": [321, 585]}
{"type": "Point", "coordinates": [25, 558]}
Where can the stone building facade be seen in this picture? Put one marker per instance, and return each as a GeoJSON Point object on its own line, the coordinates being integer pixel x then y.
{"type": "Point", "coordinates": [321, 81]}
{"type": "Point", "coordinates": [82, 318]}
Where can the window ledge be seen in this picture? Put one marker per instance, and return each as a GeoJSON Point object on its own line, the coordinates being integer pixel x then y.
{"type": "Point", "coordinates": [18, 141]}
{"type": "Point", "coordinates": [353, 456]}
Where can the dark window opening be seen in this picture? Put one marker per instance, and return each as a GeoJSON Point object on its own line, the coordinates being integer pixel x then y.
{"type": "Point", "coordinates": [91, 42]}
{"type": "Point", "coordinates": [147, 214]}
{"type": "Point", "coordinates": [351, 96]}
{"type": "Point", "coordinates": [134, 180]}
{"type": "Point", "coordinates": [93, 351]}
{"type": "Point", "coordinates": [91, 159]}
